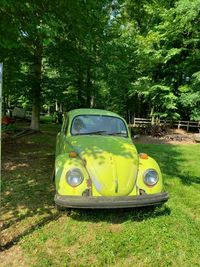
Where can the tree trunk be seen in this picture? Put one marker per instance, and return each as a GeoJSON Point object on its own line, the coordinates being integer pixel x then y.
{"type": "Point", "coordinates": [35, 119]}
{"type": "Point", "coordinates": [4, 105]}
{"type": "Point", "coordinates": [36, 88]}
{"type": "Point", "coordinates": [88, 89]}
{"type": "Point", "coordinates": [152, 116]}
{"type": "Point", "coordinates": [56, 105]}
{"type": "Point", "coordinates": [139, 105]}
{"type": "Point", "coordinates": [127, 105]}
{"type": "Point", "coordinates": [80, 87]}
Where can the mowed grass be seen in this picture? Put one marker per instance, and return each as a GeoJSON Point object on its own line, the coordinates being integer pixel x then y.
{"type": "Point", "coordinates": [164, 236]}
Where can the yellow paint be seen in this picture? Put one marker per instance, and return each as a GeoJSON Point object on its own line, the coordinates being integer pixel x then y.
{"type": "Point", "coordinates": [145, 164]}
{"type": "Point", "coordinates": [112, 163]}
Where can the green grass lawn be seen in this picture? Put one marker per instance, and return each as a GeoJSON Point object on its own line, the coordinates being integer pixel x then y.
{"type": "Point", "coordinates": [35, 234]}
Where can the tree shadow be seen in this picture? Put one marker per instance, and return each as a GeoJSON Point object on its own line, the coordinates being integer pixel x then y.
{"type": "Point", "coordinates": [29, 230]}
{"type": "Point", "coordinates": [118, 216]}
{"type": "Point", "coordinates": [188, 179]}
{"type": "Point", "coordinates": [173, 160]}
{"type": "Point", "coordinates": [27, 192]}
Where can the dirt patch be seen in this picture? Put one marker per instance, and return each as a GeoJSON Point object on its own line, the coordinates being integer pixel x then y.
{"type": "Point", "coordinates": [115, 228]}
{"type": "Point", "coordinates": [173, 136]}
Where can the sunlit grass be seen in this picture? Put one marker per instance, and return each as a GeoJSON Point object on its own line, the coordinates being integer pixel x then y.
{"type": "Point", "coordinates": [165, 236]}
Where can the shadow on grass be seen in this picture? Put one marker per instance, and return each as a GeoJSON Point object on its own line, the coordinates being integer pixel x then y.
{"type": "Point", "coordinates": [187, 179]}
{"type": "Point", "coordinates": [29, 230]}
{"type": "Point", "coordinates": [176, 161]}
{"type": "Point", "coordinates": [118, 216]}
{"type": "Point", "coordinates": [29, 214]}
{"type": "Point", "coordinates": [27, 195]}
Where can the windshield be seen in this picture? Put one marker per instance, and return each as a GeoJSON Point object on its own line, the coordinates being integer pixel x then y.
{"type": "Point", "coordinates": [98, 124]}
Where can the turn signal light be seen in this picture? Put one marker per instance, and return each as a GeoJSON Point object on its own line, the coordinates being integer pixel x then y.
{"type": "Point", "coordinates": [73, 154]}
{"type": "Point", "coordinates": [143, 156]}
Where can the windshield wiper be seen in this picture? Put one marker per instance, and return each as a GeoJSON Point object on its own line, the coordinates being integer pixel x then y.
{"type": "Point", "coordinates": [95, 132]}
{"type": "Point", "coordinates": [117, 133]}
{"type": "Point", "coordinates": [103, 132]}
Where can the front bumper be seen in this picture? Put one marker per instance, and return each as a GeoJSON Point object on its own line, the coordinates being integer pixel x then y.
{"type": "Point", "coordinates": [110, 202]}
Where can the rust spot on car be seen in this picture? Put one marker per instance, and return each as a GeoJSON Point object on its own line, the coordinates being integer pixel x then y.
{"type": "Point", "coordinates": [89, 182]}
{"type": "Point", "coordinates": [84, 162]}
{"type": "Point", "coordinates": [116, 185]}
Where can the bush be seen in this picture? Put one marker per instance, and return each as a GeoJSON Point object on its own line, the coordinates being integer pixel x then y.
{"type": "Point", "coordinates": [8, 128]}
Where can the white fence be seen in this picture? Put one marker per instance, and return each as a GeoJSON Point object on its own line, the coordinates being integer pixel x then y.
{"type": "Point", "coordinates": [179, 124]}
{"type": "Point", "coordinates": [21, 113]}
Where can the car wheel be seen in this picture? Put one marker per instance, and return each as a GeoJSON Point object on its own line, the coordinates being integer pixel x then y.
{"type": "Point", "coordinates": [60, 208]}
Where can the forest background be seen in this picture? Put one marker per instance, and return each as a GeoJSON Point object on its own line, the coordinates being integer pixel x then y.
{"type": "Point", "coordinates": [136, 58]}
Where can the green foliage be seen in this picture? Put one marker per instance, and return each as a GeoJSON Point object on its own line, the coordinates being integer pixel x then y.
{"type": "Point", "coordinates": [191, 101]}
{"type": "Point", "coordinates": [164, 101]}
{"type": "Point", "coordinates": [136, 58]}
{"type": "Point", "coordinates": [179, 36]}
{"type": "Point", "coordinates": [8, 128]}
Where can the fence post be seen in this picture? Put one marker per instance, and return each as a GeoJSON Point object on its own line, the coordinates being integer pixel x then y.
{"type": "Point", "coordinates": [179, 124]}
{"type": "Point", "coordinates": [134, 122]}
{"type": "Point", "coordinates": [188, 126]}
{"type": "Point", "coordinates": [152, 120]}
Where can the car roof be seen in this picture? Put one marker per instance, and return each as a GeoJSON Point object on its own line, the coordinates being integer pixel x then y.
{"type": "Point", "coordinates": [91, 111]}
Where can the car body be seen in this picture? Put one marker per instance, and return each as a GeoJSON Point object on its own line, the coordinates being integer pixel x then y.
{"type": "Point", "coordinates": [97, 164]}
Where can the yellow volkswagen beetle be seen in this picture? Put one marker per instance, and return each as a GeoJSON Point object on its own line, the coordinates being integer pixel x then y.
{"type": "Point", "coordinates": [98, 166]}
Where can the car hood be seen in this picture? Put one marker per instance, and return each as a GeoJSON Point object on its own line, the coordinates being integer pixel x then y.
{"type": "Point", "coordinates": [112, 162]}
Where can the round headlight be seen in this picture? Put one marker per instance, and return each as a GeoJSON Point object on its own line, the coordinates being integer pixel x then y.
{"type": "Point", "coordinates": [150, 177]}
{"type": "Point", "coordinates": [74, 177]}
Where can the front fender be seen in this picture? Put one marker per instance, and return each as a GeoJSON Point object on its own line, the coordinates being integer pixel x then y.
{"type": "Point", "coordinates": [63, 164]}
{"type": "Point", "coordinates": [144, 165]}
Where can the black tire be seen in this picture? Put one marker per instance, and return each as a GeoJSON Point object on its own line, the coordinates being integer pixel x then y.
{"type": "Point", "coordinates": [60, 208]}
